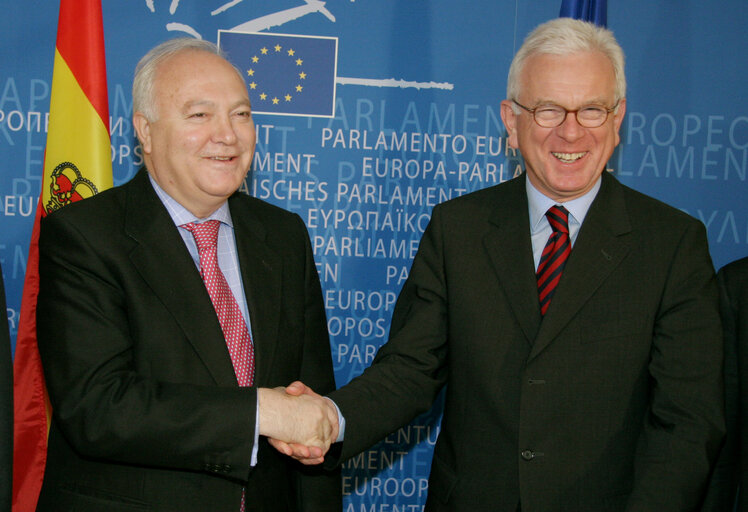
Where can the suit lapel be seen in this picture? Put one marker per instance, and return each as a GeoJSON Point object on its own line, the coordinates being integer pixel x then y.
{"type": "Point", "coordinates": [165, 264]}
{"type": "Point", "coordinates": [600, 247]}
{"type": "Point", "coordinates": [261, 270]}
{"type": "Point", "coordinates": [510, 251]}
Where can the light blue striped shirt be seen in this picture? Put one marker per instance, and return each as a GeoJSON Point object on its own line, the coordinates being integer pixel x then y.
{"type": "Point", "coordinates": [540, 228]}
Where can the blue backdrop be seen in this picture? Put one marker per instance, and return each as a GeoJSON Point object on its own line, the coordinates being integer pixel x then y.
{"type": "Point", "coordinates": [417, 85]}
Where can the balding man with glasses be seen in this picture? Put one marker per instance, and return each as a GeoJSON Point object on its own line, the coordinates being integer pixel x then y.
{"type": "Point", "coordinates": [573, 320]}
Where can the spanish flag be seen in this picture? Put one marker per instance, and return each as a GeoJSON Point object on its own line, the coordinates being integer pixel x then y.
{"type": "Point", "coordinates": [77, 164]}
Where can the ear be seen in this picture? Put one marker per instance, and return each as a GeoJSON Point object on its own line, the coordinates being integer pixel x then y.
{"type": "Point", "coordinates": [618, 118]}
{"type": "Point", "coordinates": [510, 123]}
{"type": "Point", "coordinates": [143, 130]}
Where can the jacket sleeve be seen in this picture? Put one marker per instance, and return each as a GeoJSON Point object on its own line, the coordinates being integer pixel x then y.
{"type": "Point", "coordinates": [722, 489]}
{"type": "Point", "coordinates": [410, 369]}
{"type": "Point", "coordinates": [685, 425]}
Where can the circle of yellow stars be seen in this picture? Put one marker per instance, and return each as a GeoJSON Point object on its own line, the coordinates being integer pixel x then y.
{"type": "Point", "coordinates": [301, 75]}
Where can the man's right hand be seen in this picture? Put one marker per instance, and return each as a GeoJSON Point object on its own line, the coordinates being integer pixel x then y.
{"type": "Point", "coordinates": [298, 422]}
{"type": "Point", "coordinates": [306, 453]}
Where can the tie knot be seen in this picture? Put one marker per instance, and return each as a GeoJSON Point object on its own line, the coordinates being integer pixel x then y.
{"type": "Point", "coordinates": [205, 233]}
{"type": "Point", "coordinates": [558, 217]}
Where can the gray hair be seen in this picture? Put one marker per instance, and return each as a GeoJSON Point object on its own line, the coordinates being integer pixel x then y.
{"type": "Point", "coordinates": [566, 36]}
{"type": "Point", "coordinates": [143, 99]}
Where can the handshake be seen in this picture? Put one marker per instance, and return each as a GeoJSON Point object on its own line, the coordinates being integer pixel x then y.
{"type": "Point", "coordinates": [298, 422]}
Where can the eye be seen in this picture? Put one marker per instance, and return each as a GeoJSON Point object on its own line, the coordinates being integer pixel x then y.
{"type": "Point", "coordinates": [548, 111]}
{"type": "Point", "coordinates": [593, 112]}
{"type": "Point", "coordinates": [548, 108]}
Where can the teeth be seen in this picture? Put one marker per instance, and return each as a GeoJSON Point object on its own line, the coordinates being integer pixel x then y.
{"type": "Point", "coordinates": [569, 157]}
{"type": "Point", "coordinates": [221, 158]}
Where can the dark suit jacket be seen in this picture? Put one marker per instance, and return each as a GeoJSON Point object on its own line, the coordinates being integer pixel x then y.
{"type": "Point", "coordinates": [611, 403]}
{"type": "Point", "coordinates": [731, 470]}
{"type": "Point", "coordinates": [6, 406]}
{"type": "Point", "coordinates": [147, 411]}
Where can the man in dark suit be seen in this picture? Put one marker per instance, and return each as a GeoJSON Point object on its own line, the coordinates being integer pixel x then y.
{"type": "Point", "coordinates": [728, 486]}
{"type": "Point", "coordinates": [6, 406]}
{"type": "Point", "coordinates": [159, 381]}
{"type": "Point", "coordinates": [598, 391]}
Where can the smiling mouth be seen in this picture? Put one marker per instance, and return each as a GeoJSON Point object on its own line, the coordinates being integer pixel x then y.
{"type": "Point", "coordinates": [568, 158]}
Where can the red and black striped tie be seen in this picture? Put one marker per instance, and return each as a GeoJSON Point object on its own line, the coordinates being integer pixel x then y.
{"type": "Point", "coordinates": [554, 256]}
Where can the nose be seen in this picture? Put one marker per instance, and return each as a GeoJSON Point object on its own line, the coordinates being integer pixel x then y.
{"type": "Point", "coordinates": [570, 129]}
{"type": "Point", "coordinates": [223, 130]}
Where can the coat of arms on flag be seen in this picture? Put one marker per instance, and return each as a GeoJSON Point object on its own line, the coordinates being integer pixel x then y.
{"type": "Point", "coordinates": [285, 74]}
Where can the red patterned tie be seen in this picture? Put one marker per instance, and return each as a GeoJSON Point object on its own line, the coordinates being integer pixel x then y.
{"type": "Point", "coordinates": [230, 317]}
{"type": "Point", "coordinates": [554, 256]}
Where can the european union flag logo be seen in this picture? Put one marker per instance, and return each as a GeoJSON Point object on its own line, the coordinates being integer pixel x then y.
{"type": "Point", "coordinates": [285, 74]}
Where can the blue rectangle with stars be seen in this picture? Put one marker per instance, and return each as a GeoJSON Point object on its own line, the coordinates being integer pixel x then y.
{"type": "Point", "coordinates": [285, 74]}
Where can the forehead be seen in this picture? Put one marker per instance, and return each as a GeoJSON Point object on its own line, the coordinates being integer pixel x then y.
{"type": "Point", "coordinates": [577, 77]}
{"type": "Point", "coordinates": [192, 75]}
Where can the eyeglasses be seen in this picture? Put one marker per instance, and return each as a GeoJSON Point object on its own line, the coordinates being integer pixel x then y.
{"type": "Point", "coordinates": [551, 116]}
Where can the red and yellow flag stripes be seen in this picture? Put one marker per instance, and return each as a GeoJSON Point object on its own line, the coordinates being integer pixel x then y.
{"type": "Point", "coordinates": [77, 164]}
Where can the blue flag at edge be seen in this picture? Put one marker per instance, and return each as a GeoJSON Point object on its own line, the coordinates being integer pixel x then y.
{"type": "Point", "coordinates": [595, 11]}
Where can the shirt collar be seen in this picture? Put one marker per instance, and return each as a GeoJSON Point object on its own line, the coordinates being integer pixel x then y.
{"type": "Point", "coordinates": [181, 215]}
{"type": "Point", "coordinates": [538, 204]}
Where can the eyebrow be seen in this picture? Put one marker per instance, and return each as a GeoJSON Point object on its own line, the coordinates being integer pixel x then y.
{"type": "Point", "coordinates": [242, 102]}
{"type": "Point", "coordinates": [595, 101]}
{"type": "Point", "coordinates": [199, 103]}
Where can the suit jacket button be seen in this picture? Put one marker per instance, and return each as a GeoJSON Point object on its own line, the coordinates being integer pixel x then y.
{"type": "Point", "coordinates": [528, 455]}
